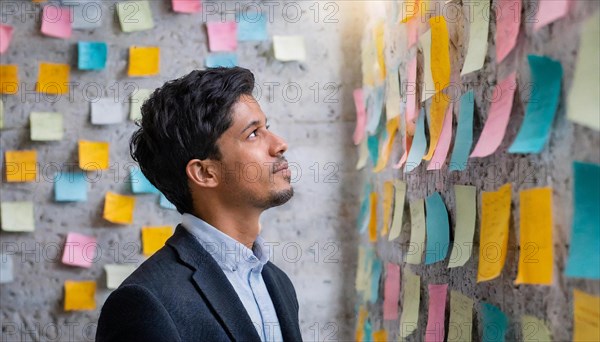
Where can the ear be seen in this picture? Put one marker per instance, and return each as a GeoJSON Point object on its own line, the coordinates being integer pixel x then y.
{"type": "Point", "coordinates": [203, 173]}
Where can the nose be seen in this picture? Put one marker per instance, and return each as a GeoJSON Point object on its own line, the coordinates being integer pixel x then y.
{"type": "Point", "coordinates": [278, 145]}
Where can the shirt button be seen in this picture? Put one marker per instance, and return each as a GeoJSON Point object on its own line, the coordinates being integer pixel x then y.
{"type": "Point", "coordinates": [234, 268]}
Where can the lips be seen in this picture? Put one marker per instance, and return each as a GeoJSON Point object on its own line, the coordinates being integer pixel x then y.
{"type": "Point", "coordinates": [280, 167]}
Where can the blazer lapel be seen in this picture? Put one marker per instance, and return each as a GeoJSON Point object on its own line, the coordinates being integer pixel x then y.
{"type": "Point", "coordinates": [214, 286]}
{"type": "Point", "coordinates": [284, 307]}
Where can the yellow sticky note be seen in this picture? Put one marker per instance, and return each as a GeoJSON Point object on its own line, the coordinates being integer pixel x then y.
{"type": "Point", "coordinates": [536, 257]}
{"type": "Point", "coordinates": [535, 330]}
{"type": "Point", "coordinates": [440, 53]}
{"type": "Point", "coordinates": [439, 103]}
{"type": "Point", "coordinates": [378, 34]}
{"type": "Point", "coordinates": [1, 114]}
{"type": "Point", "coordinates": [388, 198]}
{"type": "Point", "coordinates": [53, 78]}
{"type": "Point", "coordinates": [154, 238]}
{"type": "Point", "coordinates": [392, 129]}
{"type": "Point", "coordinates": [411, 299]}
{"type": "Point", "coordinates": [46, 126]}
{"type": "Point", "coordinates": [586, 316]}
{"type": "Point", "coordinates": [400, 196]}
{"type": "Point", "coordinates": [373, 218]}
{"type": "Point", "coordinates": [17, 216]}
{"type": "Point", "coordinates": [144, 61]}
{"type": "Point", "coordinates": [417, 232]}
{"type": "Point", "coordinates": [461, 318]}
{"type": "Point", "coordinates": [21, 166]}
{"type": "Point", "coordinates": [93, 155]}
{"type": "Point", "coordinates": [360, 323]}
{"type": "Point", "coordinates": [392, 98]}
{"type": "Point", "coordinates": [493, 240]}
{"type": "Point", "coordinates": [80, 295]}
{"type": "Point", "coordinates": [118, 208]}
{"type": "Point", "coordinates": [9, 79]}
{"type": "Point", "coordinates": [380, 336]}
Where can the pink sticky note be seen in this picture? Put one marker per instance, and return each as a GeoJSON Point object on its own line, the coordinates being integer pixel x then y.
{"type": "Point", "coordinates": [56, 21]}
{"type": "Point", "coordinates": [443, 145]}
{"type": "Point", "coordinates": [391, 293]}
{"type": "Point", "coordinates": [507, 27]}
{"type": "Point", "coordinates": [79, 250]}
{"type": "Point", "coordinates": [361, 116]}
{"type": "Point", "coordinates": [411, 92]}
{"type": "Point", "coordinates": [187, 6]}
{"type": "Point", "coordinates": [437, 307]}
{"type": "Point", "coordinates": [406, 143]}
{"type": "Point", "coordinates": [6, 32]}
{"type": "Point", "coordinates": [549, 11]}
{"type": "Point", "coordinates": [413, 31]}
{"type": "Point", "coordinates": [222, 36]}
{"type": "Point", "coordinates": [495, 126]}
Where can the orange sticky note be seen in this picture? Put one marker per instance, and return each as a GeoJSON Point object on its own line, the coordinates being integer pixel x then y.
{"type": "Point", "coordinates": [536, 256]}
{"type": "Point", "coordinates": [154, 238]}
{"type": "Point", "coordinates": [586, 316]}
{"type": "Point", "coordinates": [80, 295]}
{"type": "Point", "coordinates": [9, 79]}
{"type": "Point", "coordinates": [439, 103]}
{"type": "Point", "coordinates": [440, 53]}
{"type": "Point", "coordinates": [392, 129]}
{"type": "Point", "coordinates": [388, 197]}
{"type": "Point", "coordinates": [362, 317]}
{"type": "Point", "coordinates": [380, 336]}
{"type": "Point", "coordinates": [144, 61]}
{"type": "Point", "coordinates": [53, 78]}
{"type": "Point", "coordinates": [93, 155]}
{"type": "Point", "coordinates": [21, 166]}
{"type": "Point", "coordinates": [493, 241]}
{"type": "Point", "coordinates": [373, 218]}
{"type": "Point", "coordinates": [118, 208]}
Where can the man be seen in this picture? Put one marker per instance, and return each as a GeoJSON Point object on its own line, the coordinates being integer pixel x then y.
{"type": "Point", "coordinates": [204, 143]}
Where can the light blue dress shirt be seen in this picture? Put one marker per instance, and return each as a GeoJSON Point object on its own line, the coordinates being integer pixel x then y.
{"type": "Point", "coordinates": [243, 268]}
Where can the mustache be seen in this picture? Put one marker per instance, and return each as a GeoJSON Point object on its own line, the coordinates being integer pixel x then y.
{"type": "Point", "coordinates": [278, 164]}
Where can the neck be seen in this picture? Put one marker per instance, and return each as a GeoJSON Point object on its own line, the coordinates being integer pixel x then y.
{"type": "Point", "coordinates": [241, 225]}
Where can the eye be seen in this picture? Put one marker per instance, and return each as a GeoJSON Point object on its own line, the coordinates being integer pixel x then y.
{"type": "Point", "coordinates": [253, 134]}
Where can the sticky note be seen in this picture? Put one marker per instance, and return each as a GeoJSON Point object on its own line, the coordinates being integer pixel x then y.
{"type": "Point", "coordinates": [386, 150]}
{"type": "Point", "coordinates": [419, 145]}
{"type": "Point", "coordinates": [373, 219]}
{"type": "Point", "coordinates": [80, 295]}
{"type": "Point", "coordinates": [546, 76]}
{"type": "Point", "coordinates": [392, 98]}
{"type": "Point", "coordinates": [361, 116]}
{"type": "Point", "coordinates": [369, 62]}
{"type": "Point", "coordinates": [289, 48]}
{"type": "Point", "coordinates": [464, 133]}
{"type": "Point", "coordinates": [412, 32]}
{"type": "Point", "coordinates": [365, 207]}
{"type": "Point", "coordinates": [497, 119]}
{"type": "Point", "coordinates": [116, 274]}
{"type": "Point", "coordinates": [375, 102]}
{"type": "Point", "coordinates": [154, 238]}
{"type": "Point", "coordinates": [411, 95]}
{"type": "Point", "coordinates": [17, 216]}
{"type": "Point", "coordinates": [93, 155]}
{"type": "Point", "coordinates": [391, 294]}
{"type": "Point", "coordinates": [9, 79]}
{"type": "Point", "coordinates": [508, 20]}
{"type": "Point", "coordinates": [367, 265]}
{"type": "Point", "coordinates": [399, 199]}
{"type": "Point", "coordinates": [436, 313]}
{"type": "Point", "coordinates": [586, 316]}
{"type": "Point", "coordinates": [536, 256]}
{"type": "Point", "coordinates": [380, 336]}
{"type": "Point", "coordinates": [550, 11]}
{"type": "Point", "coordinates": [107, 111]}
{"type": "Point", "coordinates": [439, 104]}
{"type": "Point", "coordinates": [70, 187]}
{"type": "Point", "coordinates": [363, 155]}
{"type": "Point", "coordinates": [118, 208]}
{"type": "Point", "coordinates": [46, 126]}
{"type": "Point", "coordinates": [373, 145]}
{"type": "Point", "coordinates": [375, 276]}
{"type": "Point", "coordinates": [440, 53]}
{"type": "Point", "coordinates": [186, 6]}
{"type": "Point", "coordinates": [139, 183]}
{"type": "Point", "coordinates": [144, 61]}
{"type": "Point", "coordinates": [417, 232]}
{"type": "Point", "coordinates": [360, 266]}
{"type": "Point", "coordinates": [493, 241]}
{"type": "Point", "coordinates": [91, 55]}
{"type": "Point", "coordinates": [85, 16]}
{"type": "Point", "coordinates": [378, 35]}
{"type": "Point", "coordinates": [56, 21]}
{"type": "Point", "coordinates": [362, 317]}
{"type": "Point", "coordinates": [443, 145]}
{"type": "Point", "coordinates": [6, 33]}
{"type": "Point", "coordinates": [479, 24]}
{"type": "Point", "coordinates": [388, 198]}
{"type": "Point", "coordinates": [222, 36]}
{"type": "Point", "coordinates": [465, 197]}
{"type": "Point", "coordinates": [534, 329]}
{"type": "Point", "coordinates": [583, 100]}
{"type": "Point", "coordinates": [6, 268]}
{"type": "Point", "coordinates": [252, 26]}
{"type": "Point", "coordinates": [461, 318]}
{"type": "Point", "coordinates": [21, 166]}
{"type": "Point", "coordinates": [584, 251]}
{"type": "Point", "coordinates": [438, 229]}
{"type": "Point", "coordinates": [408, 9]}
{"type": "Point", "coordinates": [1, 114]}
{"type": "Point", "coordinates": [494, 322]}
{"type": "Point", "coordinates": [79, 250]}
{"type": "Point", "coordinates": [225, 60]}
{"type": "Point", "coordinates": [138, 98]}
{"type": "Point", "coordinates": [135, 15]}
{"type": "Point", "coordinates": [428, 85]}
{"type": "Point", "coordinates": [53, 78]}
{"type": "Point", "coordinates": [410, 303]}
{"type": "Point", "coordinates": [164, 202]}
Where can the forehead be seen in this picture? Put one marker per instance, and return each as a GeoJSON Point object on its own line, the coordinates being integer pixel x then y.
{"type": "Point", "coordinates": [244, 111]}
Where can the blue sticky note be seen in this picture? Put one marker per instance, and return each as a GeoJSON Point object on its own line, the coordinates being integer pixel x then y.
{"type": "Point", "coordinates": [365, 210]}
{"type": "Point", "coordinates": [584, 252]}
{"type": "Point", "coordinates": [438, 229]}
{"type": "Point", "coordinates": [139, 183]}
{"type": "Point", "coordinates": [419, 145]}
{"type": "Point", "coordinates": [226, 60]}
{"type": "Point", "coordinates": [546, 75]}
{"type": "Point", "coordinates": [91, 55]}
{"type": "Point", "coordinates": [70, 187]}
{"type": "Point", "coordinates": [494, 323]}
{"type": "Point", "coordinates": [251, 26]}
{"type": "Point", "coordinates": [375, 275]}
{"type": "Point", "coordinates": [374, 109]}
{"type": "Point", "coordinates": [464, 133]}
{"type": "Point", "coordinates": [164, 202]}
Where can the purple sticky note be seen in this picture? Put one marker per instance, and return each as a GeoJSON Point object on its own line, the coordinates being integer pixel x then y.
{"type": "Point", "coordinates": [56, 21]}
{"type": "Point", "coordinates": [79, 250]}
{"type": "Point", "coordinates": [222, 36]}
{"type": "Point", "coordinates": [6, 32]}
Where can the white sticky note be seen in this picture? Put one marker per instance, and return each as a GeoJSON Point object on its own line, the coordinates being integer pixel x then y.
{"type": "Point", "coordinates": [137, 100]}
{"type": "Point", "coordinates": [106, 111]}
{"type": "Point", "coordinates": [116, 273]}
{"type": "Point", "coordinates": [17, 216]}
{"type": "Point", "coordinates": [6, 268]}
{"type": "Point", "coordinates": [87, 14]}
{"type": "Point", "coordinates": [46, 126]}
{"type": "Point", "coordinates": [289, 48]}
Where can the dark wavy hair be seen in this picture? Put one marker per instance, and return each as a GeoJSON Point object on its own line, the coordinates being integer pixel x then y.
{"type": "Point", "coordinates": [181, 121]}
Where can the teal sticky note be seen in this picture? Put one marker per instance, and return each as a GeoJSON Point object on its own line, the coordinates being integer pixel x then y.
{"type": "Point", "coordinates": [139, 183]}
{"type": "Point", "coordinates": [373, 145]}
{"type": "Point", "coordinates": [70, 187]}
{"type": "Point", "coordinates": [584, 252]}
{"type": "Point", "coordinates": [374, 109]}
{"type": "Point", "coordinates": [546, 76]}
{"type": "Point", "coordinates": [368, 330]}
{"type": "Point", "coordinates": [494, 323]}
{"type": "Point", "coordinates": [164, 202]}
{"type": "Point", "coordinates": [419, 144]}
{"type": "Point", "coordinates": [91, 55]}
{"type": "Point", "coordinates": [464, 133]}
{"type": "Point", "coordinates": [375, 275]}
{"type": "Point", "coordinates": [251, 26]}
{"type": "Point", "coordinates": [365, 210]}
{"type": "Point", "coordinates": [438, 229]}
{"type": "Point", "coordinates": [226, 60]}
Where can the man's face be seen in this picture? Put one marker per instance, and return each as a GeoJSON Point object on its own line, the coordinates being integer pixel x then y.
{"type": "Point", "coordinates": [253, 169]}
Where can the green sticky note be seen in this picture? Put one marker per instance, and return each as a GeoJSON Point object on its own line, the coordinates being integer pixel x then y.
{"type": "Point", "coordinates": [46, 126]}
{"type": "Point", "coordinates": [17, 216]}
{"type": "Point", "coordinates": [138, 98]}
{"type": "Point", "coordinates": [1, 114]}
{"type": "Point", "coordinates": [135, 15]}
{"type": "Point", "coordinates": [534, 329]}
{"type": "Point", "coordinates": [466, 212]}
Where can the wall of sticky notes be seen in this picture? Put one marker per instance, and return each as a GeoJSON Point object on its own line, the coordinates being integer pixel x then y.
{"type": "Point", "coordinates": [491, 230]}
{"type": "Point", "coordinates": [77, 215]}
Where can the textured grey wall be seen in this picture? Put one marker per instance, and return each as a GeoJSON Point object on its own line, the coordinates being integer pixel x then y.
{"type": "Point", "coordinates": [318, 222]}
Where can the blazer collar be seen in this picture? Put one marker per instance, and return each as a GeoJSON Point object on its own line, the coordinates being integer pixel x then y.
{"type": "Point", "coordinates": [281, 301]}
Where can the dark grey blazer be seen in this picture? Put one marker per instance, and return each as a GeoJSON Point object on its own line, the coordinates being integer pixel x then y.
{"type": "Point", "coordinates": [181, 294]}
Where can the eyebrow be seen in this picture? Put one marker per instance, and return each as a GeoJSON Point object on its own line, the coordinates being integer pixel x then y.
{"type": "Point", "coordinates": [252, 123]}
